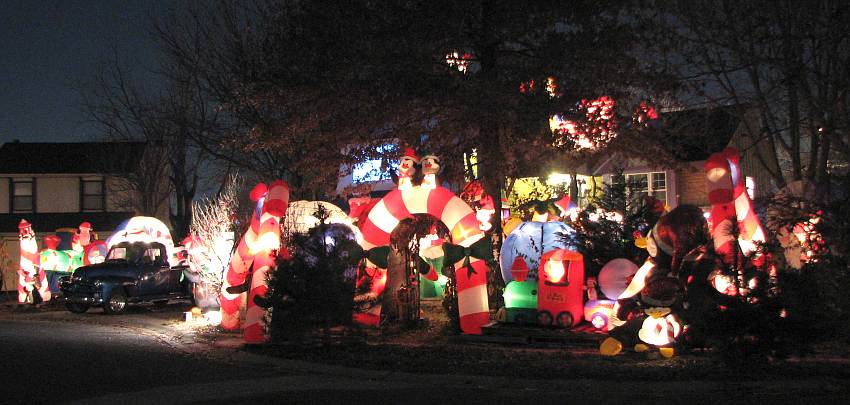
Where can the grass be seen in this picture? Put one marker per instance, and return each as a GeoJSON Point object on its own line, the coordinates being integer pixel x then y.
{"type": "Point", "coordinates": [432, 348]}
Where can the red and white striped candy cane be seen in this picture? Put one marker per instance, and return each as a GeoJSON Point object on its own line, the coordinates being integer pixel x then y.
{"type": "Point", "coordinates": [730, 202]}
{"type": "Point", "coordinates": [460, 219]}
{"type": "Point", "coordinates": [749, 226]}
{"type": "Point", "coordinates": [256, 253]}
{"type": "Point", "coordinates": [721, 196]}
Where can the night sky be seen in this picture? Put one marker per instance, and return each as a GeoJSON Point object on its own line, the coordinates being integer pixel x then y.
{"type": "Point", "coordinates": [48, 49]}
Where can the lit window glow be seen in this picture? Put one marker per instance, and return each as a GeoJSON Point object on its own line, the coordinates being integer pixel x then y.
{"type": "Point", "coordinates": [558, 178]}
{"type": "Point", "coordinates": [555, 271]}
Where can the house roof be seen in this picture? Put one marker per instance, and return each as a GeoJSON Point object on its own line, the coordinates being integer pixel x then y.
{"type": "Point", "coordinates": [693, 135]}
{"type": "Point", "coordinates": [79, 157]}
{"type": "Point", "coordinates": [50, 222]}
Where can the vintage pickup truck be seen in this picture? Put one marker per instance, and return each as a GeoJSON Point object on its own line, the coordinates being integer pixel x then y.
{"type": "Point", "coordinates": [133, 272]}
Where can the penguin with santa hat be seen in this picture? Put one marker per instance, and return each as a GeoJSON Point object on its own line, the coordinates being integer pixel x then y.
{"type": "Point", "coordinates": [408, 168]}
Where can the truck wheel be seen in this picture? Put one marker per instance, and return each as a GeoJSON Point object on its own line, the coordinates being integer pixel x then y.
{"type": "Point", "coordinates": [565, 319]}
{"type": "Point", "coordinates": [77, 307]}
{"type": "Point", "coordinates": [115, 303]}
{"type": "Point", "coordinates": [544, 318]}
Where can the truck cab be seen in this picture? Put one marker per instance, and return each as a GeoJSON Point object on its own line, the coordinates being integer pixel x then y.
{"type": "Point", "coordinates": [133, 272]}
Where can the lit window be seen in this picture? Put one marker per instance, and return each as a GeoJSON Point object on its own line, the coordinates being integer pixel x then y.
{"type": "Point", "coordinates": [654, 184]}
{"type": "Point", "coordinates": [374, 169]}
{"type": "Point", "coordinates": [22, 195]}
{"type": "Point", "coordinates": [92, 195]}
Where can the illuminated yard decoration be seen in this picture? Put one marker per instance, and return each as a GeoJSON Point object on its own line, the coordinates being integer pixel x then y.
{"type": "Point", "coordinates": [594, 131]}
{"type": "Point", "coordinates": [407, 169]}
{"type": "Point", "coordinates": [598, 313]}
{"type": "Point", "coordinates": [544, 275]}
{"type": "Point", "coordinates": [555, 298]}
{"type": "Point", "coordinates": [95, 252]}
{"type": "Point", "coordinates": [645, 116]}
{"type": "Point", "coordinates": [29, 278]}
{"type": "Point", "coordinates": [614, 279]}
{"type": "Point", "coordinates": [52, 259]}
{"type": "Point", "coordinates": [460, 60]}
{"type": "Point", "coordinates": [430, 169]}
{"type": "Point", "coordinates": [648, 310]}
{"type": "Point", "coordinates": [474, 195]}
{"type": "Point", "coordinates": [730, 202]}
{"type": "Point", "coordinates": [561, 288]}
{"type": "Point", "coordinates": [300, 217]}
{"type": "Point", "coordinates": [145, 229]}
{"type": "Point", "coordinates": [529, 241]}
{"type": "Point", "coordinates": [254, 256]}
{"type": "Point", "coordinates": [460, 219]}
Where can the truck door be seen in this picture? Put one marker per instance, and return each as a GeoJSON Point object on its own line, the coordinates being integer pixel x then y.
{"type": "Point", "coordinates": [155, 272]}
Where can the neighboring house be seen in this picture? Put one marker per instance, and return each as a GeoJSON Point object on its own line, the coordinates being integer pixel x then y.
{"type": "Point", "coordinates": [57, 186]}
{"type": "Point", "coordinates": [693, 136]}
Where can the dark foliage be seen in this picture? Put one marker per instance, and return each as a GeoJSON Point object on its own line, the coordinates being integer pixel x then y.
{"type": "Point", "coordinates": [314, 289]}
{"type": "Point", "coordinates": [603, 239]}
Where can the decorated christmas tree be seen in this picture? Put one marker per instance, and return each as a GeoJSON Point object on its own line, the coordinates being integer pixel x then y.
{"type": "Point", "coordinates": [609, 227]}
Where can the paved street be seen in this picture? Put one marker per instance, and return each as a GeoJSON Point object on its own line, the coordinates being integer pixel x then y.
{"type": "Point", "coordinates": [149, 356]}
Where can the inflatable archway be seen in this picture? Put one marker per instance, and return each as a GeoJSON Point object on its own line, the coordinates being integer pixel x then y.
{"type": "Point", "coordinates": [460, 219]}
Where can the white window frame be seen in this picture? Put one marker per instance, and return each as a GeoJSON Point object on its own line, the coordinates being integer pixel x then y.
{"type": "Point", "coordinates": [650, 189]}
{"type": "Point", "coordinates": [16, 208]}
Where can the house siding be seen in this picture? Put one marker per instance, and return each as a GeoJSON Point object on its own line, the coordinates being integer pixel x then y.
{"type": "Point", "coordinates": [58, 194]}
{"type": "Point", "coordinates": [9, 266]}
{"type": "Point", "coordinates": [117, 194]}
{"type": "Point", "coordinates": [4, 195]}
{"type": "Point", "coordinates": [751, 165]}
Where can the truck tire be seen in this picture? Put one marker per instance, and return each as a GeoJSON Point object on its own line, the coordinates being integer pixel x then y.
{"type": "Point", "coordinates": [115, 303]}
{"type": "Point", "coordinates": [544, 318]}
{"type": "Point", "coordinates": [565, 319]}
{"type": "Point", "coordinates": [76, 307]}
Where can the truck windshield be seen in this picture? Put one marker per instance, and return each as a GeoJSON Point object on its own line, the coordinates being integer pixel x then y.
{"type": "Point", "coordinates": [117, 253]}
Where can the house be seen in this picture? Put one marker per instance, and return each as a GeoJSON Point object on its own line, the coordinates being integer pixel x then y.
{"type": "Point", "coordinates": [691, 137]}
{"type": "Point", "coordinates": [57, 186]}
{"type": "Point", "coordinates": [676, 176]}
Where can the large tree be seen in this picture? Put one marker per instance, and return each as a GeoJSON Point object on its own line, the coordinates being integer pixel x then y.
{"type": "Point", "coordinates": [318, 84]}
{"type": "Point", "coordinates": [788, 61]}
{"type": "Point", "coordinates": [169, 170]}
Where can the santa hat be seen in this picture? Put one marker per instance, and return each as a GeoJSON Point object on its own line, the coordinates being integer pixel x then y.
{"type": "Point", "coordinates": [565, 205]}
{"type": "Point", "coordinates": [85, 225]}
{"type": "Point", "coordinates": [24, 225]}
{"type": "Point", "coordinates": [52, 241]}
{"type": "Point", "coordinates": [411, 154]}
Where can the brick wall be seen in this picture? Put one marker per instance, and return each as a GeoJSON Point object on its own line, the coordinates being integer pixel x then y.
{"type": "Point", "coordinates": [691, 185]}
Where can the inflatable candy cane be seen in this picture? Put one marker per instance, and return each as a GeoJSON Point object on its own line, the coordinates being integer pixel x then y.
{"type": "Point", "coordinates": [727, 193]}
{"type": "Point", "coordinates": [28, 271]}
{"type": "Point", "coordinates": [460, 219]}
{"type": "Point", "coordinates": [255, 256]}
